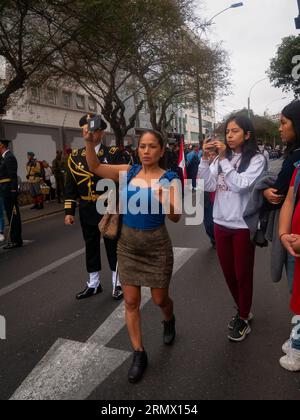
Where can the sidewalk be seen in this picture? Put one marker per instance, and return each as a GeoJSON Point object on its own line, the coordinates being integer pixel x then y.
{"type": "Point", "coordinates": [49, 208]}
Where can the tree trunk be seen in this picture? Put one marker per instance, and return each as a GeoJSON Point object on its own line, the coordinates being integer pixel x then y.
{"type": "Point", "coordinates": [118, 133]}
{"type": "Point", "coordinates": [15, 84]}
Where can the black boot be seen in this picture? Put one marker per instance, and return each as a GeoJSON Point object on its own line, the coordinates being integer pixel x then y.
{"type": "Point", "coordinates": [169, 331]}
{"type": "Point", "coordinates": [138, 366]}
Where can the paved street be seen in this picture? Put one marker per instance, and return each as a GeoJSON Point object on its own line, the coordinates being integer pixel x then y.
{"type": "Point", "coordinates": [83, 345]}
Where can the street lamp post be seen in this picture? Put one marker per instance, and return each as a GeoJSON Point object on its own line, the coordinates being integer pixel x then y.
{"type": "Point", "coordinates": [297, 19]}
{"type": "Point", "coordinates": [249, 96]}
{"type": "Point", "coordinates": [275, 100]}
{"type": "Point", "coordinates": [199, 109]}
{"type": "Point", "coordinates": [208, 23]}
{"type": "Point", "coordinates": [232, 6]}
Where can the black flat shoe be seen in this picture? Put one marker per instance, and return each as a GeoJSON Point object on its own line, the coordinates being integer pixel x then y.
{"type": "Point", "coordinates": [13, 245]}
{"type": "Point", "coordinates": [88, 292]}
{"type": "Point", "coordinates": [117, 293]}
{"type": "Point", "coordinates": [169, 331]}
{"type": "Point", "coordinates": [138, 367]}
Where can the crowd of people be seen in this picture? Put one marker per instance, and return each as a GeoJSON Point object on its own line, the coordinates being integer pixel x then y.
{"type": "Point", "coordinates": [46, 182]}
{"type": "Point", "coordinates": [245, 206]}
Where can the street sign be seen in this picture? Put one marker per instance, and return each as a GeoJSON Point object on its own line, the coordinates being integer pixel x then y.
{"type": "Point", "coordinates": [297, 20]}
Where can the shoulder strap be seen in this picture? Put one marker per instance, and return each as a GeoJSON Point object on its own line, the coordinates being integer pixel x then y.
{"type": "Point", "coordinates": [133, 171]}
{"type": "Point", "coordinates": [170, 176]}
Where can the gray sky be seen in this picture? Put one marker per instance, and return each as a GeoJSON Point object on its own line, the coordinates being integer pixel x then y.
{"type": "Point", "coordinates": [251, 35]}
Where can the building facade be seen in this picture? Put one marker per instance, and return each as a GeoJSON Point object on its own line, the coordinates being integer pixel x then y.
{"type": "Point", "coordinates": [45, 120]}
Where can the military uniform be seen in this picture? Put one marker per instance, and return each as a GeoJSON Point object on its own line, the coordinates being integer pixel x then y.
{"type": "Point", "coordinates": [34, 176]}
{"type": "Point", "coordinates": [9, 193]}
{"type": "Point", "coordinates": [81, 186]}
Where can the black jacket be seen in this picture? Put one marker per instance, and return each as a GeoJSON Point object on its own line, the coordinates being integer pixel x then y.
{"type": "Point", "coordinates": [82, 184]}
{"type": "Point", "coordinates": [285, 175]}
{"type": "Point", "coordinates": [8, 173]}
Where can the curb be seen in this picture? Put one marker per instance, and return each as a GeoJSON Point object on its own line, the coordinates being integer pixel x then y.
{"type": "Point", "coordinates": [36, 217]}
{"type": "Point", "coordinates": [41, 216]}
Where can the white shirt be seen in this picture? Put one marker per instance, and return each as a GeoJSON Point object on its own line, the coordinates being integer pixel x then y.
{"type": "Point", "coordinates": [48, 173]}
{"type": "Point", "coordinates": [97, 148]}
{"type": "Point", "coordinates": [6, 151]}
{"type": "Point", "coordinates": [232, 188]}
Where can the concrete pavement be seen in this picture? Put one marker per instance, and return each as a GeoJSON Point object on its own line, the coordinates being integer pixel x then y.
{"type": "Point", "coordinates": [43, 317]}
{"type": "Point", "coordinates": [49, 208]}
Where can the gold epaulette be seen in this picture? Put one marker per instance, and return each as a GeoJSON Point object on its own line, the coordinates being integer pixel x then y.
{"type": "Point", "coordinates": [69, 204]}
{"type": "Point", "coordinates": [113, 150]}
{"type": "Point", "coordinates": [75, 152]}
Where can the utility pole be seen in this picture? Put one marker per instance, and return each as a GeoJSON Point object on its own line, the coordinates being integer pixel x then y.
{"type": "Point", "coordinates": [297, 19]}
{"type": "Point", "coordinates": [205, 25]}
{"type": "Point", "coordinates": [249, 114]}
{"type": "Point", "coordinates": [199, 108]}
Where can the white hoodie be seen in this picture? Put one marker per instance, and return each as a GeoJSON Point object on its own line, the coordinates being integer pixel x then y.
{"type": "Point", "coordinates": [232, 188]}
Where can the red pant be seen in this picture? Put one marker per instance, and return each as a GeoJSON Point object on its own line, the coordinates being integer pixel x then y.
{"type": "Point", "coordinates": [295, 302]}
{"type": "Point", "coordinates": [236, 254]}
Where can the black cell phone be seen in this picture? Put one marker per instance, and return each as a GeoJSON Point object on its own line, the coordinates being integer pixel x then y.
{"type": "Point", "coordinates": [94, 123]}
{"type": "Point", "coordinates": [212, 148]}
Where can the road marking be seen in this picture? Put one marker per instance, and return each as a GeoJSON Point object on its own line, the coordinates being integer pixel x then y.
{"type": "Point", "coordinates": [25, 243]}
{"type": "Point", "coordinates": [41, 272]}
{"type": "Point", "coordinates": [72, 370]}
{"type": "Point", "coordinates": [42, 216]}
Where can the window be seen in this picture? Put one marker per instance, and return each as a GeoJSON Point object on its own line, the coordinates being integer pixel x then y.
{"type": "Point", "coordinates": [92, 104]}
{"type": "Point", "coordinates": [195, 122]}
{"type": "Point", "coordinates": [51, 96]}
{"type": "Point", "coordinates": [66, 99]}
{"type": "Point", "coordinates": [35, 94]}
{"type": "Point", "coordinates": [80, 101]}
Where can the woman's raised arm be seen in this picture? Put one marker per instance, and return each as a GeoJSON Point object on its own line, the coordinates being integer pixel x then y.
{"type": "Point", "coordinates": [100, 169]}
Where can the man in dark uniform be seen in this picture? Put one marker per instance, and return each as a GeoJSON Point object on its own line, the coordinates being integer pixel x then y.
{"type": "Point", "coordinates": [81, 185]}
{"type": "Point", "coordinates": [9, 193]}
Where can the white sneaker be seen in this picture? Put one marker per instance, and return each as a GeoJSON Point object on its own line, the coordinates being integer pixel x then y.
{"type": "Point", "coordinates": [250, 317]}
{"type": "Point", "coordinates": [2, 237]}
{"type": "Point", "coordinates": [287, 346]}
{"type": "Point", "coordinates": [291, 361]}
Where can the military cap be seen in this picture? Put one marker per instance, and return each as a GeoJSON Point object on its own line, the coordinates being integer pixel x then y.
{"type": "Point", "coordinates": [5, 142]}
{"type": "Point", "coordinates": [83, 121]}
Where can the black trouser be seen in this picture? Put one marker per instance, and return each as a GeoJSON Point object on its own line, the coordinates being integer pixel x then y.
{"type": "Point", "coordinates": [91, 235]}
{"type": "Point", "coordinates": [60, 186]}
{"type": "Point", "coordinates": [13, 215]}
{"type": "Point", "coordinates": [208, 217]}
{"type": "Point", "coordinates": [51, 195]}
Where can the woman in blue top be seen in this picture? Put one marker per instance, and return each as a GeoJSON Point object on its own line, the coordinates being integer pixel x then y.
{"type": "Point", "coordinates": [145, 253]}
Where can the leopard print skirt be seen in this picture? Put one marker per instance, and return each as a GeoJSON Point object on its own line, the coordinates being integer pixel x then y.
{"type": "Point", "coordinates": [145, 257]}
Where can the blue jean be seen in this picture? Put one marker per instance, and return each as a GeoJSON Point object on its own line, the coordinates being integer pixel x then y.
{"type": "Point", "coordinates": [1, 215]}
{"type": "Point", "coordinates": [295, 336]}
{"type": "Point", "coordinates": [290, 268]}
{"type": "Point", "coordinates": [208, 217]}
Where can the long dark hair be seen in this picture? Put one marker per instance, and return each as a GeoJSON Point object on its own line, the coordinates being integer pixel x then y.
{"type": "Point", "coordinates": [292, 113]}
{"type": "Point", "coordinates": [160, 139]}
{"type": "Point", "coordinates": [249, 147]}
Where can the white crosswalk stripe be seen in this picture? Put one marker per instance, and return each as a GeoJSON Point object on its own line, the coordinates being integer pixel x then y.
{"type": "Point", "coordinates": [72, 370]}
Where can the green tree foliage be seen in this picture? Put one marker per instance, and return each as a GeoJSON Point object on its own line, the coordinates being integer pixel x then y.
{"type": "Point", "coordinates": [119, 51]}
{"type": "Point", "coordinates": [31, 33]}
{"type": "Point", "coordinates": [266, 129]}
{"type": "Point", "coordinates": [282, 72]}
